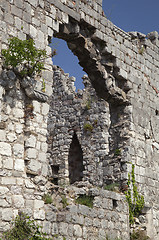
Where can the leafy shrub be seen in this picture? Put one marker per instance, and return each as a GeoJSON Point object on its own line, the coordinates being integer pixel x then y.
{"type": "Point", "coordinates": [112, 187]}
{"type": "Point", "coordinates": [139, 235]}
{"type": "Point", "coordinates": [85, 200]}
{"type": "Point", "coordinates": [47, 198]}
{"type": "Point", "coordinates": [64, 201]}
{"type": "Point", "coordinates": [24, 228]}
{"type": "Point", "coordinates": [23, 57]}
{"type": "Point", "coordinates": [88, 127]}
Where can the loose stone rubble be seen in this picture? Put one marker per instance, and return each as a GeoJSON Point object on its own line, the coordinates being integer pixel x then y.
{"type": "Point", "coordinates": [61, 137]}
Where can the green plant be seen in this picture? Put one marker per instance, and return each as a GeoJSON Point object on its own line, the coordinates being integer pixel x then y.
{"type": "Point", "coordinates": [64, 201]}
{"type": "Point", "coordinates": [139, 235]}
{"type": "Point", "coordinates": [141, 50]}
{"type": "Point", "coordinates": [23, 57]}
{"type": "Point", "coordinates": [134, 199]}
{"type": "Point", "coordinates": [117, 152]}
{"type": "Point", "coordinates": [112, 187]}
{"type": "Point", "coordinates": [47, 198]}
{"type": "Point", "coordinates": [43, 89]}
{"type": "Point", "coordinates": [88, 104]}
{"type": "Point", "coordinates": [108, 238]}
{"type": "Point", "coordinates": [85, 200]}
{"type": "Point", "coordinates": [88, 127]}
{"type": "Point", "coordinates": [24, 228]}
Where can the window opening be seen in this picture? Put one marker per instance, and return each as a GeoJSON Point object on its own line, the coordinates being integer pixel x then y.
{"type": "Point", "coordinates": [67, 61]}
{"type": "Point", "coordinates": [75, 161]}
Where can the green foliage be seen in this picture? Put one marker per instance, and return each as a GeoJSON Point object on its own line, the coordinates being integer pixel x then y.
{"type": "Point", "coordinates": [24, 228]}
{"type": "Point", "coordinates": [85, 200]}
{"type": "Point", "coordinates": [47, 198]}
{"type": "Point", "coordinates": [88, 127]}
{"type": "Point", "coordinates": [139, 235]}
{"type": "Point", "coordinates": [117, 152]}
{"type": "Point", "coordinates": [134, 199]}
{"type": "Point", "coordinates": [112, 187]}
{"type": "Point", "coordinates": [88, 104]}
{"type": "Point", "coordinates": [141, 50]}
{"type": "Point", "coordinates": [64, 201]}
{"type": "Point", "coordinates": [43, 89]}
{"type": "Point", "coordinates": [23, 57]}
{"type": "Point", "coordinates": [108, 238]}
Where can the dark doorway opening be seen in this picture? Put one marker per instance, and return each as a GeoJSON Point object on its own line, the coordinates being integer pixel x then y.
{"type": "Point", "coordinates": [75, 161]}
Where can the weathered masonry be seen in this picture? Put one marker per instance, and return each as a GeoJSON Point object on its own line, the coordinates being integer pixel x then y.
{"type": "Point", "coordinates": [81, 140]}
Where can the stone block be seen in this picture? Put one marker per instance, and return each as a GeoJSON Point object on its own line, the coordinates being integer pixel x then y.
{"type": "Point", "coordinates": [5, 149]}
{"type": "Point", "coordinates": [18, 201]}
{"type": "Point", "coordinates": [19, 165]}
{"type": "Point", "coordinates": [30, 141]}
{"type": "Point", "coordinates": [18, 150]}
{"type": "Point", "coordinates": [7, 214]}
{"type": "Point", "coordinates": [38, 204]}
{"type": "Point", "coordinates": [77, 230]}
{"type": "Point", "coordinates": [39, 214]}
{"type": "Point", "coordinates": [31, 153]}
{"type": "Point", "coordinates": [8, 163]}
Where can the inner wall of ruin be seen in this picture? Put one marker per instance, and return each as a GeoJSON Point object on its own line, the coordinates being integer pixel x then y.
{"type": "Point", "coordinates": [102, 129]}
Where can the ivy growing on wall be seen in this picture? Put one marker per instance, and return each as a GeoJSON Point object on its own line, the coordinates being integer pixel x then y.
{"type": "Point", "coordinates": [134, 199]}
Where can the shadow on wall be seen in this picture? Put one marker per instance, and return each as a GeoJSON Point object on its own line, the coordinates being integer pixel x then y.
{"type": "Point", "coordinates": [67, 61]}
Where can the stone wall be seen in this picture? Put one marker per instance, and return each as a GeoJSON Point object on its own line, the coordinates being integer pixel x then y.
{"type": "Point", "coordinates": [123, 70]}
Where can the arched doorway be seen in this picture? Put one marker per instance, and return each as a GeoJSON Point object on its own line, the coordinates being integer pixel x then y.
{"type": "Point", "coordinates": [75, 161]}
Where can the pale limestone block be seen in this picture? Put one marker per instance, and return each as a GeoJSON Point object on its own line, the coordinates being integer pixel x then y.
{"type": "Point", "coordinates": [3, 190]}
{"type": "Point", "coordinates": [19, 165]}
{"type": "Point", "coordinates": [38, 204]}
{"type": "Point", "coordinates": [33, 31]}
{"type": "Point", "coordinates": [34, 165]}
{"type": "Point", "coordinates": [8, 163]}
{"type": "Point", "coordinates": [7, 214]}
{"type": "Point", "coordinates": [77, 230]}
{"type": "Point", "coordinates": [19, 128]}
{"type": "Point", "coordinates": [29, 184]}
{"type": "Point", "coordinates": [31, 153]}
{"type": "Point", "coordinates": [44, 169]}
{"type": "Point", "coordinates": [8, 181]}
{"type": "Point", "coordinates": [44, 147]}
{"type": "Point", "coordinates": [11, 137]}
{"type": "Point", "coordinates": [42, 156]}
{"type": "Point", "coordinates": [18, 150]}
{"type": "Point", "coordinates": [45, 108]}
{"type": "Point", "coordinates": [20, 181]}
{"type": "Point", "coordinates": [39, 214]}
{"type": "Point", "coordinates": [2, 91]}
{"type": "Point", "coordinates": [11, 126]}
{"type": "Point", "coordinates": [5, 149]}
{"type": "Point", "coordinates": [36, 106]}
{"type": "Point", "coordinates": [18, 201]}
{"type": "Point", "coordinates": [18, 113]}
{"type": "Point", "coordinates": [54, 228]}
{"type": "Point", "coordinates": [2, 135]}
{"type": "Point", "coordinates": [39, 118]}
{"type": "Point", "coordinates": [4, 203]}
{"type": "Point", "coordinates": [30, 142]}
{"type": "Point", "coordinates": [0, 161]}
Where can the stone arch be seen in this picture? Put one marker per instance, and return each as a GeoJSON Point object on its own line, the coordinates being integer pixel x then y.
{"type": "Point", "coordinates": [75, 160]}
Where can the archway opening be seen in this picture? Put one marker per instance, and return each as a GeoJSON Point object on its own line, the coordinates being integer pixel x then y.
{"type": "Point", "coordinates": [75, 161]}
{"type": "Point", "coordinates": [66, 60]}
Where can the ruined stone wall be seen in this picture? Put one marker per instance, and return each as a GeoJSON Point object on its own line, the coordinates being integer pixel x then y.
{"type": "Point", "coordinates": [123, 70]}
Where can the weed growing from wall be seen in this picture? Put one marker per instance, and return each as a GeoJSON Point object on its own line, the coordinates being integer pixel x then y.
{"type": "Point", "coordinates": [24, 228]}
{"type": "Point", "coordinates": [23, 57]}
{"type": "Point", "coordinates": [134, 199]}
{"type": "Point", "coordinates": [85, 200]}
